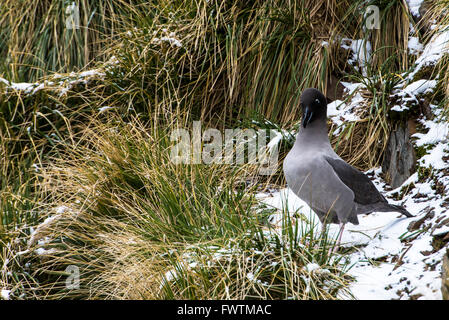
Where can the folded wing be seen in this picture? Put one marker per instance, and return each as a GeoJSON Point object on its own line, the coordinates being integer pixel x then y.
{"type": "Point", "coordinates": [364, 190]}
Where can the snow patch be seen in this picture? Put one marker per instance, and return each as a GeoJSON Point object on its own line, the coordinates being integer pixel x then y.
{"type": "Point", "coordinates": [414, 6]}
{"type": "Point", "coordinates": [433, 51]}
{"type": "Point", "coordinates": [5, 294]}
{"type": "Point", "coordinates": [438, 132]}
{"type": "Point", "coordinates": [414, 46]}
{"type": "Point", "coordinates": [361, 53]}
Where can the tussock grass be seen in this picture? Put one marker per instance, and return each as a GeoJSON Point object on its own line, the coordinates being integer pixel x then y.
{"type": "Point", "coordinates": [32, 127]}
{"type": "Point", "coordinates": [362, 143]}
{"type": "Point", "coordinates": [35, 39]}
{"type": "Point", "coordinates": [390, 42]}
{"type": "Point", "coordinates": [438, 10]}
{"type": "Point", "coordinates": [235, 57]}
{"type": "Point", "coordinates": [141, 227]}
{"type": "Point", "coordinates": [135, 224]}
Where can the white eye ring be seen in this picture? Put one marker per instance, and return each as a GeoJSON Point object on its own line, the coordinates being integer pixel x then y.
{"type": "Point", "coordinates": [317, 101]}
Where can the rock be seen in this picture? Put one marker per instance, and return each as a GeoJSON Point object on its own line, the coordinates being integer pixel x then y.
{"type": "Point", "coordinates": [425, 21]}
{"type": "Point", "coordinates": [415, 225]}
{"type": "Point", "coordinates": [445, 277]}
{"type": "Point", "coordinates": [440, 239]}
{"type": "Point", "coordinates": [440, 223]}
{"type": "Point", "coordinates": [334, 89]}
{"type": "Point", "coordinates": [411, 124]}
{"type": "Point", "coordinates": [399, 160]}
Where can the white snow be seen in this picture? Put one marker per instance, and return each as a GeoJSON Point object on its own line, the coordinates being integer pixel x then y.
{"type": "Point", "coordinates": [399, 108]}
{"type": "Point", "coordinates": [438, 132]}
{"type": "Point", "coordinates": [103, 109]}
{"type": "Point", "coordinates": [340, 112]}
{"type": "Point", "coordinates": [172, 41]}
{"type": "Point", "coordinates": [435, 157]}
{"type": "Point", "coordinates": [5, 294]}
{"type": "Point", "coordinates": [63, 86]}
{"type": "Point", "coordinates": [279, 135]}
{"type": "Point", "coordinates": [414, 46]}
{"type": "Point", "coordinates": [91, 73]}
{"type": "Point", "coordinates": [361, 52]}
{"type": "Point", "coordinates": [59, 210]}
{"type": "Point", "coordinates": [250, 276]}
{"type": "Point", "coordinates": [409, 94]}
{"type": "Point", "coordinates": [437, 141]}
{"type": "Point", "coordinates": [43, 251]}
{"type": "Point", "coordinates": [311, 267]}
{"type": "Point", "coordinates": [414, 6]}
{"type": "Point", "coordinates": [382, 246]}
{"type": "Point", "coordinates": [433, 51]}
{"type": "Point", "coordinates": [22, 86]}
{"type": "Point", "coordinates": [419, 87]}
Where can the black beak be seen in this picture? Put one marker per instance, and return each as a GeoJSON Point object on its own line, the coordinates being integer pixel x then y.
{"type": "Point", "coordinates": [307, 116]}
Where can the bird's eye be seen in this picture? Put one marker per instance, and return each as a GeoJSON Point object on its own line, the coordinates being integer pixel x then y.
{"type": "Point", "coordinates": [317, 101]}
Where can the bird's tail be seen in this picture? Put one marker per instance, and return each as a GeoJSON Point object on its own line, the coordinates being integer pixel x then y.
{"type": "Point", "coordinates": [383, 207]}
{"type": "Point", "coordinates": [401, 210]}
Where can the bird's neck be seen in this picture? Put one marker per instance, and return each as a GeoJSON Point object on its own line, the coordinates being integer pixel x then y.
{"type": "Point", "coordinates": [315, 132]}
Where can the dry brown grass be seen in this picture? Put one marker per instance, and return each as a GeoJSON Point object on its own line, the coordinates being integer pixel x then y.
{"type": "Point", "coordinates": [132, 215]}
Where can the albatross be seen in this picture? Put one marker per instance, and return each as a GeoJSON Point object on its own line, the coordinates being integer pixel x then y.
{"type": "Point", "coordinates": [333, 189]}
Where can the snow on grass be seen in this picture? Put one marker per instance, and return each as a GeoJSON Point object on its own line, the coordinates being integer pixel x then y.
{"type": "Point", "coordinates": [105, 108]}
{"type": "Point", "coordinates": [5, 294]}
{"type": "Point", "coordinates": [437, 140]}
{"type": "Point", "coordinates": [416, 88]}
{"type": "Point", "coordinates": [37, 234]}
{"type": "Point", "coordinates": [279, 135]}
{"type": "Point", "coordinates": [46, 252]}
{"type": "Point", "coordinates": [91, 73]}
{"type": "Point", "coordinates": [414, 46]}
{"type": "Point", "coordinates": [399, 108]}
{"type": "Point", "coordinates": [414, 6]}
{"type": "Point", "coordinates": [361, 52]}
{"type": "Point", "coordinates": [170, 39]}
{"type": "Point", "coordinates": [22, 86]}
{"type": "Point", "coordinates": [438, 132]}
{"type": "Point", "coordinates": [65, 84]}
{"type": "Point", "coordinates": [435, 157]}
{"type": "Point", "coordinates": [81, 78]}
{"type": "Point", "coordinates": [411, 93]}
{"type": "Point", "coordinates": [433, 52]}
{"type": "Point", "coordinates": [340, 112]}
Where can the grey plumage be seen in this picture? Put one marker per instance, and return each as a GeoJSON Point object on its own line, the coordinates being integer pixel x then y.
{"type": "Point", "coordinates": [335, 190]}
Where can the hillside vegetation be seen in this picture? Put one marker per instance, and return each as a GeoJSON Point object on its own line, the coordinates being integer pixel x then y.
{"type": "Point", "coordinates": [92, 205]}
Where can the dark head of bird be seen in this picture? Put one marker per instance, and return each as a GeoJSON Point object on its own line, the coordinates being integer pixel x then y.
{"type": "Point", "coordinates": [313, 105]}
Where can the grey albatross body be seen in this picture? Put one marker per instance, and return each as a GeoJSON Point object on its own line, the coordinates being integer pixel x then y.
{"type": "Point", "coordinates": [336, 191]}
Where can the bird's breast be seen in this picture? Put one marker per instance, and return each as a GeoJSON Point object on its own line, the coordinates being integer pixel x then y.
{"type": "Point", "coordinates": [313, 180]}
